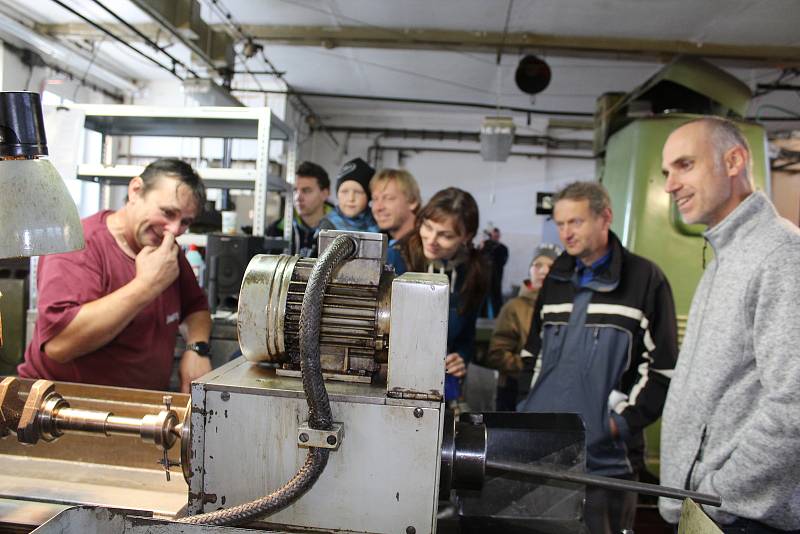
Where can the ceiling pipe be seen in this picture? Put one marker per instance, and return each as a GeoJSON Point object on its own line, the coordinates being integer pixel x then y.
{"type": "Point", "coordinates": [63, 55]}
{"type": "Point", "coordinates": [455, 135]}
{"type": "Point", "coordinates": [382, 148]}
{"type": "Point", "coordinates": [153, 44]}
{"type": "Point", "coordinates": [478, 105]}
{"type": "Point", "coordinates": [119, 39]}
{"type": "Point", "coordinates": [164, 23]}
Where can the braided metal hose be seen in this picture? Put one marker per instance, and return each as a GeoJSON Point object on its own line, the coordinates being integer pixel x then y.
{"type": "Point", "coordinates": [319, 407]}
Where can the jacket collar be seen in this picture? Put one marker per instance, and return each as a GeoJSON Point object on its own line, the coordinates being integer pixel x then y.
{"type": "Point", "coordinates": [326, 209]}
{"type": "Point", "coordinates": [743, 219]}
{"type": "Point", "coordinates": [362, 219]}
{"type": "Point", "coordinates": [527, 292]}
{"type": "Point", "coordinates": [565, 268]}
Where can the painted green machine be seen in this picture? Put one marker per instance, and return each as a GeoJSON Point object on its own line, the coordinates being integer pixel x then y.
{"type": "Point", "coordinates": [629, 135]}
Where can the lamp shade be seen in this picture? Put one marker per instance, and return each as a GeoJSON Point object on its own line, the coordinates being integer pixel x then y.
{"type": "Point", "coordinates": [37, 213]}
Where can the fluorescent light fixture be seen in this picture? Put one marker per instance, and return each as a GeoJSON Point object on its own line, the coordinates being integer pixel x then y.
{"type": "Point", "coordinates": [497, 136]}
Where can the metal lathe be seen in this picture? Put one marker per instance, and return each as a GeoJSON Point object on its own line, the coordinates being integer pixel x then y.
{"type": "Point", "coordinates": [333, 420]}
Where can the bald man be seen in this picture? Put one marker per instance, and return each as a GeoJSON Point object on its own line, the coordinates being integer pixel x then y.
{"type": "Point", "coordinates": [730, 424]}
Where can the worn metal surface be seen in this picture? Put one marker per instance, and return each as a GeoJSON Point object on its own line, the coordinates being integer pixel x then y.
{"type": "Point", "coordinates": [69, 483]}
{"type": "Point", "coordinates": [366, 266]}
{"type": "Point", "coordinates": [242, 376]}
{"type": "Point", "coordinates": [118, 471]}
{"type": "Point", "coordinates": [24, 516]}
{"type": "Point", "coordinates": [84, 519]}
{"type": "Point", "coordinates": [418, 337]}
{"type": "Point", "coordinates": [383, 478]}
{"type": "Point", "coordinates": [262, 301]}
{"type": "Point", "coordinates": [327, 439]}
{"type": "Point", "coordinates": [196, 453]}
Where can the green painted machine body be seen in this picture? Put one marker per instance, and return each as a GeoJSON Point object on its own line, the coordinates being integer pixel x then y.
{"type": "Point", "coordinates": [645, 217]}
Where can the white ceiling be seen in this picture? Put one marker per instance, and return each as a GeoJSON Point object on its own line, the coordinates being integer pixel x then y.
{"type": "Point", "coordinates": [456, 74]}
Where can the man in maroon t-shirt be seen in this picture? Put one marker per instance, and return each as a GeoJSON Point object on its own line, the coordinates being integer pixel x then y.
{"type": "Point", "coordinates": [109, 314]}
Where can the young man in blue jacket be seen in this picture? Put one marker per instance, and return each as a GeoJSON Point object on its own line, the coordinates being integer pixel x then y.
{"type": "Point", "coordinates": [602, 344]}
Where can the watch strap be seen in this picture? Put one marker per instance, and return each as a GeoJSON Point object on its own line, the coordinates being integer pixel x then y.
{"type": "Point", "coordinates": [200, 347]}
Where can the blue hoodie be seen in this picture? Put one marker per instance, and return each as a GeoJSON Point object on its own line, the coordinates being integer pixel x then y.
{"type": "Point", "coordinates": [336, 220]}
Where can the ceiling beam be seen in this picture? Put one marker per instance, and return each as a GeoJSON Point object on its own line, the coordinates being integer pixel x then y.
{"type": "Point", "coordinates": [437, 39]}
{"type": "Point", "coordinates": [481, 41]}
{"type": "Point", "coordinates": [81, 30]}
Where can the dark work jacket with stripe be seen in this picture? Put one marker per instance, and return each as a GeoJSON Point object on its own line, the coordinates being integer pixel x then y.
{"type": "Point", "coordinates": [603, 351]}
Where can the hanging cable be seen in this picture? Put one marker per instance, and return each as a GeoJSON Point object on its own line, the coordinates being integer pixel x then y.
{"type": "Point", "coordinates": [119, 39]}
{"type": "Point", "coordinates": [236, 31]}
{"type": "Point", "coordinates": [427, 101]}
{"type": "Point", "coordinates": [153, 44]}
{"type": "Point", "coordinates": [88, 68]}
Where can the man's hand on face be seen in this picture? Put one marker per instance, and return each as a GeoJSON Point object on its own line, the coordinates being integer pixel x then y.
{"type": "Point", "coordinates": [157, 267]}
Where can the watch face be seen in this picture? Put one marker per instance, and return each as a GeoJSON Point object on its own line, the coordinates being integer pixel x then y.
{"type": "Point", "coordinates": [202, 348]}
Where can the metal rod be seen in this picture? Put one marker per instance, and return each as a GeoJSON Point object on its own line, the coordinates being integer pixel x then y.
{"type": "Point", "coordinates": [778, 87]}
{"type": "Point", "coordinates": [96, 422]}
{"type": "Point", "coordinates": [128, 426]}
{"type": "Point", "coordinates": [604, 482]}
{"type": "Point", "coordinates": [76, 420]}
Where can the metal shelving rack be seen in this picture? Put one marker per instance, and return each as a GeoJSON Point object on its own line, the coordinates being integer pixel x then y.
{"type": "Point", "coordinates": [214, 122]}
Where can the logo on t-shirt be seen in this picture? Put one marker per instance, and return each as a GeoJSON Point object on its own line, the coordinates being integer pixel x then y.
{"type": "Point", "coordinates": [172, 317]}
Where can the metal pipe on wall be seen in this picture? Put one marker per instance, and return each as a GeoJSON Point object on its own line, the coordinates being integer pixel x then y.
{"type": "Point", "coordinates": [373, 151]}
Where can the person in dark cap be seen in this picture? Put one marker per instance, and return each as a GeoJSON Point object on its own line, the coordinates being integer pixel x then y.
{"type": "Point", "coordinates": [353, 196]}
{"type": "Point", "coordinates": [512, 327]}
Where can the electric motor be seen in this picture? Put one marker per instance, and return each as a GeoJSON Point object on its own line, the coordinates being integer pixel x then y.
{"type": "Point", "coordinates": [355, 317]}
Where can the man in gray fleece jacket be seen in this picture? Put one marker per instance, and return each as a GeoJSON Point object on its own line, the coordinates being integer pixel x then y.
{"type": "Point", "coordinates": [731, 423]}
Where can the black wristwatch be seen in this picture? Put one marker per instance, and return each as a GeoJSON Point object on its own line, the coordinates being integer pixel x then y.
{"type": "Point", "coordinates": [200, 347]}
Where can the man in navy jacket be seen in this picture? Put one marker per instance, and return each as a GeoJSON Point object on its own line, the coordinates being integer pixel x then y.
{"type": "Point", "coordinates": [603, 345]}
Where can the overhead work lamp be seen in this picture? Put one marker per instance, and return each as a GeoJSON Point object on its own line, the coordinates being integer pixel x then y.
{"type": "Point", "coordinates": [37, 214]}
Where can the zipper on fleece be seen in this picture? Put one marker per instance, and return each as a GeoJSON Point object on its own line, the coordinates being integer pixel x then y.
{"type": "Point", "coordinates": [698, 457]}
